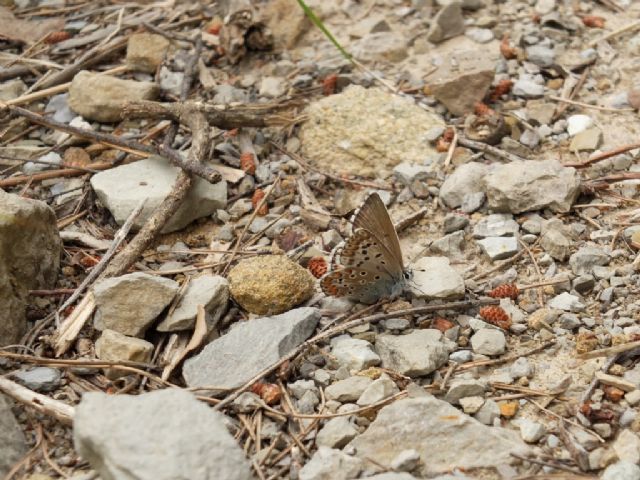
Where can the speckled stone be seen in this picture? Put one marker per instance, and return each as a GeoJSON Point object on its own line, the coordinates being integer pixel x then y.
{"type": "Point", "coordinates": [270, 284]}
{"type": "Point", "coordinates": [356, 132]}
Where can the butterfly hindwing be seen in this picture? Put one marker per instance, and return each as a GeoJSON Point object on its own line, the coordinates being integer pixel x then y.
{"type": "Point", "coordinates": [356, 284]}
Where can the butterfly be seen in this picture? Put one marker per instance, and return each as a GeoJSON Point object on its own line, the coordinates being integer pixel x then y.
{"type": "Point", "coordinates": [368, 265]}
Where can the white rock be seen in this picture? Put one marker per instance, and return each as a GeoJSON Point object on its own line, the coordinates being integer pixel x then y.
{"type": "Point", "coordinates": [578, 123]}
{"type": "Point", "coordinates": [489, 341]}
{"type": "Point", "coordinates": [354, 353]}
{"type": "Point", "coordinates": [531, 431]}
{"type": "Point", "coordinates": [434, 278]}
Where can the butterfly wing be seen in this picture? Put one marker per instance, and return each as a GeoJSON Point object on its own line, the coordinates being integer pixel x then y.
{"type": "Point", "coordinates": [363, 271]}
{"type": "Point", "coordinates": [364, 286]}
{"type": "Point", "coordinates": [374, 217]}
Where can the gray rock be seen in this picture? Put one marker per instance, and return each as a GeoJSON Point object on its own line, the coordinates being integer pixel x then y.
{"type": "Point", "coordinates": [415, 354]}
{"type": "Point", "coordinates": [530, 431]}
{"type": "Point", "coordinates": [519, 187]}
{"type": "Point", "coordinates": [433, 277]}
{"type": "Point", "coordinates": [462, 79]}
{"type": "Point", "coordinates": [407, 173]}
{"type": "Point", "coordinates": [354, 353]}
{"type": "Point", "coordinates": [622, 470]}
{"type": "Point", "coordinates": [102, 97]}
{"type": "Point", "coordinates": [627, 446]}
{"type": "Point", "coordinates": [488, 413]}
{"type": "Point", "coordinates": [119, 306]}
{"type": "Point", "coordinates": [454, 222]}
{"type": "Point", "coordinates": [378, 390]}
{"type": "Point", "coordinates": [498, 248]}
{"type": "Point", "coordinates": [360, 123]}
{"type": "Point", "coordinates": [59, 106]}
{"type": "Point", "coordinates": [300, 387]}
{"type": "Point", "coordinates": [272, 87]}
{"type": "Point", "coordinates": [521, 368]}
{"type": "Point", "coordinates": [40, 379]}
{"type": "Point", "coordinates": [472, 202]}
{"type": "Point", "coordinates": [447, 23]}
{"type": "Point", "coordinates": [489, 341]}
{"type": "Point", "coordinates": [444, 437]}
{"type": "Point", "coordinates": [479, 35]}
{"type": "Point", "coordinates": [121, 189]}
{"type": "Point", "coordinates": [328, 463]}
{"type": "Point", "coordinates": [568, 321]}
{"type": "Point", "coordinates": [13, 445]}
{"type": "Point", "coordinates": [146, 51]}
{"type": "Point", "coordinates": [589, 139]}
{"type": "Point", "coordinates": [496, 225]}
{"type": "Point", "coordinates": [471, 405]}
{"type": "Point", "coordinates": [237, 356]}
{"type": "Point", "coordinates": [113, 346]}
{"type": "Point", "coordinates": [540, 55]}
{"type": "Point", "coordinates": [449, 246]}
{"type": "Point", "coordinates": [527, 88]}
{"type": "Point", "coordinates": [247, 402]}
{"type": "Point", "coordinates": [464, 388]}
{"type": "Point", "coordinates": [225, 94]}
{"type": "Point", "coordinates": [336, 433]}
{"type": "Point", "coordinates": [125, 437]}
{"type": "Point", "coordinates": [349, 389]}
{"type": "Point", "coordinates": [406, 461]}
{"type": "Point", "coordinates": [29, 259]}
{"type": "Point", "coordinates": [467, 178]}
{"type": "Point", "coordinates": [210, 291]}
{"type": "Point", "coordinates": [583, 261]}
{"type": "Point", "coordinates": [170, 81]}
{"type": "Point", "coordinates": [567, 302]}
{"type": "Point", "coordinates": [557, 242]}
{"type": "Point", "coordinates": [396, 476]}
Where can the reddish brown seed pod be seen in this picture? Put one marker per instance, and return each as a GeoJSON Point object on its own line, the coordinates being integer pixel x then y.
{"type": "Point", "coordinates": [506, 49]}
{"type": "Point", "coordinates": [442, 324]}
{"type": "Point", "coordinates": [258, 195]}
{"type": "Point", "coordinates": [482, 109]}
{"type": "Point", "coordinates": [495, 315]}
{"type": "Point", "coordinates": [248, 163]}
{"type": "Point", "coordinates": [317, 266]}
{"type": "Point", "coordinates": [506, 290]}
{"type": "Point", "coordinates": [269, 392]}
{"type": "Point", "coordinates": [329, 84]}
{"type": "Point", "coordinates": [502, 88]}
{"type": "Point", "coordinates": [593, 21]}
{"type": "Point", "coordinates": [57, 37]}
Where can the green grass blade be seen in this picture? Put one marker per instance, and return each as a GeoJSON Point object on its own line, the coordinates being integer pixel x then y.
{"type": "Point", "coordinates": [318, 23]}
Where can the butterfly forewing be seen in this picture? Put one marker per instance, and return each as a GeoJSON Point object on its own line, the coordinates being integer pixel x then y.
{"type": "Point", "coordinates": [374, 217]}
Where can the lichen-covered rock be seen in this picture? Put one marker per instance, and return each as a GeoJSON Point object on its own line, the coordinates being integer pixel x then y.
{"type": "Point", "coordinates": [356, 131]}
{"type": "Point", "coordinates": [270, 284]}
{"type": "Point", "coordinates": [29, 258]}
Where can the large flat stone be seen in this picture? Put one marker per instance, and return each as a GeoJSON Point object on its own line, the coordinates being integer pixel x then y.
{"type": "Point", "coordinates": [162, 435]}
{"type": "Point", "coordinates": [121, 189]}
{"type": "Point", "coordinates": [249, 347]}
{"type": "Point", "coordinates": [445, 438]}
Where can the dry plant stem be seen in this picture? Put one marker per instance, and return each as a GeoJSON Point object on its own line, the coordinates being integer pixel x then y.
{"type": "Point", "coordinates": [153, 226]}
{"type": "Point", "coordinates": [64, 172]}
{"type": "Point", "coordinates": [88, 59]}
{"type": "Point", "coordinates": [539, 291]}
{"type": "Point", "coordinates": [562, 108]}
{"type": "Point", "coordinates": [593, 107]}
{"type": "Point", "coordinates": [125, 145]}
{"type": "Point", "coordinates": [562, 419]}
{"type": "Point", "coordinates": [586, 395]}
{"type": "Point", "coordinates": [118, 238]}
{"type": "Point", "coordinates": [506, 263]}
{"type": "Point", "coordinates": [615, 33]}
{"type": "Point", "coordinates": [43, 404]}
{"type": "Point", "coordinates": [220, 116]}
{"type": "Point", "coordinates": [346, 326]}
{"type": "Point", "coordinates": [605, 352]}
{"type": "Point", "coordinates": [485, 148]}
{"type": "Point", "coordinates": [604, 155]}
{"type": "Point", "coordinates": [411, 219]}
{"type": "Point", "coordinates": [497, 361]}
{"type": "Point", "coordinates": [557, 466]}
{"type": "Point", "coordinates": [577, 451]}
